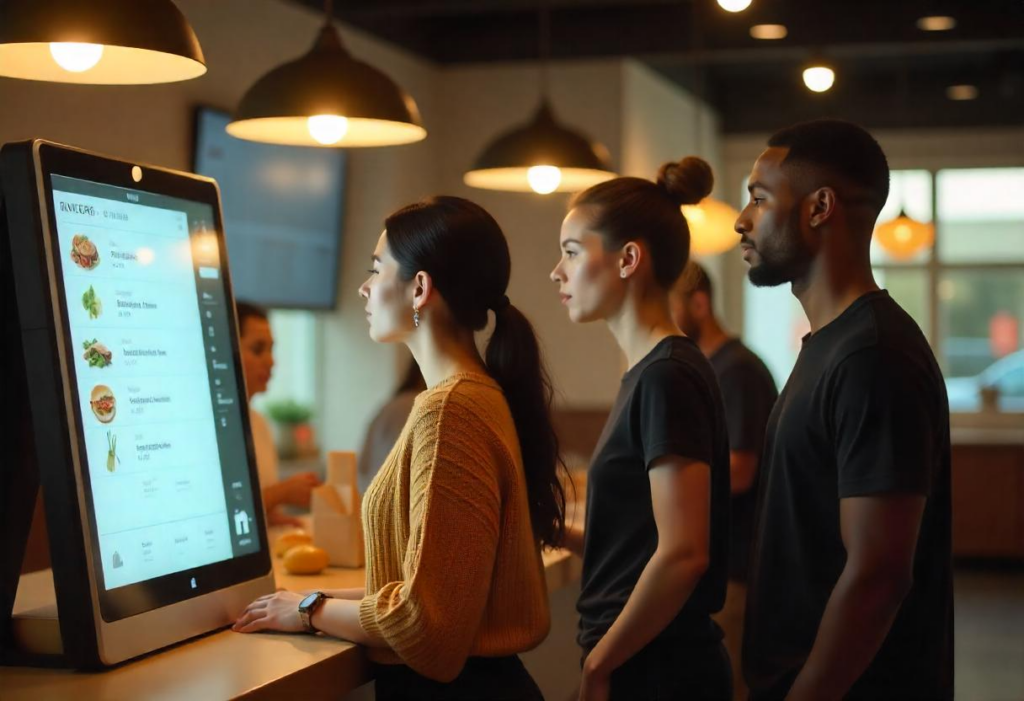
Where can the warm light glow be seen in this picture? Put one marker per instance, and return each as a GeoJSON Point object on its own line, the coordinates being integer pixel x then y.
{"type": "Point", "coordinates": [544, 179]}
{"type": "Point", "coordinates": [120, 65]}
{"type": "Point", "coordinates": [145, 255]}
{"type": "Point", "coordinates": [936, 23]}
{"type": "Point", "coordinates": [327, 129]}
{"type": "Point", "coordinates": [295, 131]}
{"type": "Point", "coordinates": [517, 179]}
{"type": "Point", "coordinates": [734, 5]}
{"type": "Point", "coordinates": [962, 92]}
{"type": "Point", "coordinates": [769, 31]}
{"type": "Point", "coordinates": [819, 78]}
{"type": "Point", "coordinates": [904, 237]}
{"type": "Point", "coordinates": [75, 57]}
{"type": "Point", "coordinates": [712, 226]}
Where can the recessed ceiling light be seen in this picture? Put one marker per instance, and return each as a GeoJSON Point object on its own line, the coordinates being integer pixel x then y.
{"type": "Point", "coordinates": [962, 92]}
{"type": "Point", "coordinates": [936, 23]}
{"type": "Point", "coordinates": [819, 78]}
{"type": "Point", "coordinates": [734, 5]}
{"type": "Point", "coordinates": [769, 31]}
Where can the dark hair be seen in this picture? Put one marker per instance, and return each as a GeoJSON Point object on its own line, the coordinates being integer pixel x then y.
{"type": "Point", "coordinates": [465, 252]}
{"type": "Point", "coordinates": [245, 310]}
{"type": "Point", "coordinates": [696, 279]}
{"type": "Point", "coordinates": [628, 209]}
{"type": "Point", "coordinates": [841, 148]}
{"type": "Point", "coordinates": [413, 380]}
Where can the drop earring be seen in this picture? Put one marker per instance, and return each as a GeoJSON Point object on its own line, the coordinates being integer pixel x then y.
{"type": "Point", "coordinates": [415, 317]}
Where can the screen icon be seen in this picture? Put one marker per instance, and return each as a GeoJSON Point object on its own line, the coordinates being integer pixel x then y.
{"type": "Point", "coordinates": [118, 562]}
{"type": "Point", "coordinates": [241, 522]}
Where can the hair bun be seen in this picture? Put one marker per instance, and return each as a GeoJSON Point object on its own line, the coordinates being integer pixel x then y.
{"type": "Point", "coordinates": [687, 181]}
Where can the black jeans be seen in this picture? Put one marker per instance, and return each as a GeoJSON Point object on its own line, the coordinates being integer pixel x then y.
{"type": "Point", "coordinates": [492, 678]}
{"type": "Point", "coordinates": [668, 668]}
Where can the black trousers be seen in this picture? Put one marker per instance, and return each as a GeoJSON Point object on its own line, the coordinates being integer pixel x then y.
{"type": "Point", "coordinates": [491, 678]}
{"type": "Point", "coordinates": [696, 670]}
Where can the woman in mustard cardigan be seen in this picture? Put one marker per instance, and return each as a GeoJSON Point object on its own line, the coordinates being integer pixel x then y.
{"type": "Point", "coordinates": [456, 517]}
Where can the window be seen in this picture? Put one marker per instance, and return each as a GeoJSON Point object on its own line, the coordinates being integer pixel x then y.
{"type": "Point", "coordinates": [966, 291]}
{"type": "Point", "coordinates": [295, 360]}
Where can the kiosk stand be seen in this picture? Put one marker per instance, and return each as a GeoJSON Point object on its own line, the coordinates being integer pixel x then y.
{"type": "Point", "coordinates": [126, 406]}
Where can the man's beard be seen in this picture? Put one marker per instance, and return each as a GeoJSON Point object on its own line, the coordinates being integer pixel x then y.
{"type": "Point", "coordinates": [785, 259]}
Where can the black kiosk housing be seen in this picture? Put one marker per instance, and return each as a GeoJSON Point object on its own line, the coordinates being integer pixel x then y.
{"type": "Point", "coordinates": [102, 624]}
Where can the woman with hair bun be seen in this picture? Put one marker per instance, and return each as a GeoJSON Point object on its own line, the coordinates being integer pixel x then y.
{"type": "Point", "coordinates": [654, 542]}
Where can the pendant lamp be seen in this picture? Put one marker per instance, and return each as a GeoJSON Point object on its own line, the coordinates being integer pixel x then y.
{"type": "Point", "coordinates": [712, 226]}
{"type": "Point", "coordinates": [327, 98]}
{"type": "Point", "coordinates": [711, 222]}
{"type": "Point", "coordinates": [543, 155]}
{"type": "Point", "coordinates": [904, 237]}
{"type": "Point", "coordinates": [99, 42]}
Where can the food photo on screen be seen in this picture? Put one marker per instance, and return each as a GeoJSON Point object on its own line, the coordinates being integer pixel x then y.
{"type": "Point", "coordinates": [103, 403]}
{"type": "Point", "coordinates": [92, 303]}
{"type": "Point", "coordinates": [97, 354]}
{"type": "Point", "coordinates": [84, 252]}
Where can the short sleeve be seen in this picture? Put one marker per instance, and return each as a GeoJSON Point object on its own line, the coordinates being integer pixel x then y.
{"type": "Point", "coordinates": [676, 414]}
{"type": "Point", "coordinates": [747, 406]}
{"type": "Point", "coordinates": [885, 424]}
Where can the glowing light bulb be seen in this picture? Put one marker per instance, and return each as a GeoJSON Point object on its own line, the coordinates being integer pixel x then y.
{"type": "Point", "coordinates": [902, 233]}
{"type": "Point", "coordinates": [327, 129]}
{"type": "Point", "coordinates": [145, 255]}
{"type": "Point", "coordinates": [769, 32]}
{"type": "Point", "coordinates": [734, 5]}
{"type": "Point", "coordinates": [75, 57]}
{"type": "Point", "coordinates": [544, 179]}
{"type": "Point", "coordinates": [819, 78]}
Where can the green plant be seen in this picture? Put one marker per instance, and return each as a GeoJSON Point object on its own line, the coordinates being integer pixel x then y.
{"type": "Point", "coordinates": [289, 412]}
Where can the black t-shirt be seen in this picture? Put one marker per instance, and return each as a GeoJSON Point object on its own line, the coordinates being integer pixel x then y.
{"type": "Point", "coordinates": [864, 412]}
{"type": "Point", "coordinates": [749, 393]}
{"type": "Point", "coordinates": [668, 404]}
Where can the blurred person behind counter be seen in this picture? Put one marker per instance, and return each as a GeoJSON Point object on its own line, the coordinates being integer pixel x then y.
{"type": "Point", "coordinates": [256, 341]}
{"type": "Point", "coordinates": [749, 393]}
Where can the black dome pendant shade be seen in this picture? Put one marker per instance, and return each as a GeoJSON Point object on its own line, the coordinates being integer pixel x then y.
{"type": "Point", "coordinates": [359, 105]}
{"type": "Point", "coordinates": [506, 162]}
{"type": "Point", "coordinates": [542, 155]}
{"type": "Point", "coordinates": [100, 42]}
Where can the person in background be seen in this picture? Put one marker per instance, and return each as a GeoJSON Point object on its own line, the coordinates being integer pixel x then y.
{"type": "Point", "coordinates": [456, 518]}
{"type": "Point", "coordinates": [387, 425]}
{"type": "Point", "coordinates": [655, 538]}
{"type": "Point", "coordinates": [749, 393]}
{"type": "Point", "coordinates": [851, 586]}
{"type": "Point", "coordinates": [257, 350]}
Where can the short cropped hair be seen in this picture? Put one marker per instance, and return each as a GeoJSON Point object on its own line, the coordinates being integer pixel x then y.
{"type": "Point", "coordinates": [841, 148]}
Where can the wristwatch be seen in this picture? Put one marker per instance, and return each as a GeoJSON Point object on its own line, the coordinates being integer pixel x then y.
{"type": "Point", "coordinates": [308, 606]}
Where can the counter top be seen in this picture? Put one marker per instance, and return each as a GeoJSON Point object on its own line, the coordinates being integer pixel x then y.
{"type": "Point", "coordinates": [227, 665]}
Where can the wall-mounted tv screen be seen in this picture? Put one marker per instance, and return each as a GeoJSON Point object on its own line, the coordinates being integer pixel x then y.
{"type": "Point", "coordinates": [284, 208]}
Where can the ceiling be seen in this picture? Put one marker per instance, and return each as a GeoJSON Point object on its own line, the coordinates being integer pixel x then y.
{"type": "Point", "coordinates": [889, 73]}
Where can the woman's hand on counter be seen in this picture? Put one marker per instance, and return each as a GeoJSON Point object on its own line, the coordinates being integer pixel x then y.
{"type": "Point", "coordinates": [278, 611]}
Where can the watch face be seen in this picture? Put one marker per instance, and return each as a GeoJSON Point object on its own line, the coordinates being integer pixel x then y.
{"type": "Point", "coordinates": [309, 600]}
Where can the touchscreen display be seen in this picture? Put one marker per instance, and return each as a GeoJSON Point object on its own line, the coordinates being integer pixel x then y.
{"type": "Point", "coordinates": [153, 365]}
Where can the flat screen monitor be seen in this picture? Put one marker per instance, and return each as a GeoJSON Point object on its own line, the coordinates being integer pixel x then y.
{"type": "Point", "coordinates": [283, 214]}
{"type": "Point", "coordinates": [146, 352]}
